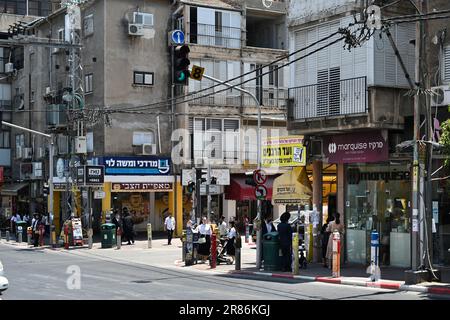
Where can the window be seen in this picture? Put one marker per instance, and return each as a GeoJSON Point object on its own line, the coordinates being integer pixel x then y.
{"type": "Point", "coordinates": [143, 18]}
{"type": "Point", "coordinates": [90, 141]}
{"type": "Point", "coordinates": [446, 65]}
{"type": "Point", "coordinates": [143, 137]}
{"type": "Point", "coordinates": [88, 85]}
{"type": "Point", "coordinates": [143, 78]}
{"type": "Point", "coordinates": [4, 139]}
{"type": "Point", "coordinates": [88, 25]}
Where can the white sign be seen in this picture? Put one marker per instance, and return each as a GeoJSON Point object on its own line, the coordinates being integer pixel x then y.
{"type": "Point", "coordinates": [436, 211]}
{"type": "Point", "coordinates": [99, 194]}
{"type": "Point", "coordinates": [213, 189]}
{"type": "Point", "coordinates": [222, 176]}
{"type": "Point", "coordinates": [415, 225]}
{"type": "Point", "coordinates": [187, 176]}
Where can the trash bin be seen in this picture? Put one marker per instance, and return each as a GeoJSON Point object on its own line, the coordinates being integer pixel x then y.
{"type": "Point", "coordinates": [108, 231]}
{"type": "Point", "coordinates": [271, 251]}
{"type": "Point", "coordinates": [21, 227]}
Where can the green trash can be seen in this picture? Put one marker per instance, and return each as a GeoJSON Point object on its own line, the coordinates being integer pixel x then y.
{"type": "Point", "coordinates": [21, 227]}
{"type": "Point", "coordinates": [108, 232]}
{"type": "Point", "coordinates": [271, 251]}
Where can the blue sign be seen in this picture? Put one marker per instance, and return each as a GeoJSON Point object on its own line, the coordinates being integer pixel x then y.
{"type": "Point", "coordinates": [178, 37]}
{"type": "Point", "coordinates": [136, 166]}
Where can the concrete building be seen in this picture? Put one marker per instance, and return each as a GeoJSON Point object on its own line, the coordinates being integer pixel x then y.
{"type": "Point", "coordinates": [353, 108]}
{"type": "Point", "coordinates": [122, 70]}
{"type": "Point", "coordinates": [228, 39]}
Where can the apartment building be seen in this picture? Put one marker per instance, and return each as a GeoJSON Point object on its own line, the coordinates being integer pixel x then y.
{"type": "Point", "coordinates": [228, 39]}
{"type": "Point", "coordinates": [353, 108]}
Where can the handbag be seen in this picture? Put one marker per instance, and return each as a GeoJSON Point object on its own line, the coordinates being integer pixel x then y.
{"type": "Point", "coordinates": [202, 240]}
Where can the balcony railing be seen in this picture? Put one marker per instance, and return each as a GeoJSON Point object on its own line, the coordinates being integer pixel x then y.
{"type": "Point", "coordinates": [212, 35]}
{"type": "Point", "coordinates": [328, 99]}
{"type": "Point", "coordinates": [272, 97]}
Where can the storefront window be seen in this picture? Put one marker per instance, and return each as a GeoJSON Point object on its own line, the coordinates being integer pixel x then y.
{"type": "Point", "coordinates": [378, 198]}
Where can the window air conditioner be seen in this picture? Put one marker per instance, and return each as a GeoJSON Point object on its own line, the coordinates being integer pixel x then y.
{"type": "Point", "coordinates": [441, 96]}
{"type": "Point", "coordinates": [148, 149]}
{"type": "Point", "coordinates": [9, 67]}
{"type": "Point", "coordinates": [136, 29]}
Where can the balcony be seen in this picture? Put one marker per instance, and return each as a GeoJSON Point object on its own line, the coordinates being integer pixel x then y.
{"type": "Point", "coordinates": [215, 35]}
{"type": "Point", "coordinates": [272, 97]}
{"type": "Point", "coordinates": [329, 99]}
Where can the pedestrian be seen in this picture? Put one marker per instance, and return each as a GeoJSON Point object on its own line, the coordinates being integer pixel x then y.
{"type": "Point", "coordinates": [117, 220]}
{"type": "Point", "coordinates": [26, 218]}
{"type": "Point", "coordinates": [325, 238]}
{"type": "Point", "coordinates": [333, 226]}
{"type": "Point", "coordinates": [35, 226]}
{"type": "Point", "coordinates": [231, 237]}
{"type": "Point", "coordinates": [204, 240]}
{"type": "Point", "coordinates": [223, 231]}
{"type": "Point", "coordinates": [128, 226]}
{"type": "Point", "coordinates": [285, 234]}
{"type": "Point", "coordinates": [169, 225]}
{"type": "Point", "coordinates": [268, 226]}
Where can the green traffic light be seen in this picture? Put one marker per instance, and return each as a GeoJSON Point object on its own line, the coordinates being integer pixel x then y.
{"type": "Point", "coordinates": [181, 76]}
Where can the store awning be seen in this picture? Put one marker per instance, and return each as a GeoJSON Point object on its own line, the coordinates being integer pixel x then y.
{"type": "Point", "coordinates": [292, 188]}
{"type": "Point", "coordinates": [238, 190]}
{"type": "Point", "coordinates": [11, 189]}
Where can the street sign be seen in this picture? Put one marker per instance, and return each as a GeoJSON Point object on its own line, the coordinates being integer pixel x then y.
{"type": "Point", "coordinates": [177, 37]}
{"type": "Point", "coordinates": [98, 194]}
{"type": "Point", "coordinates": [259, 176]}
{"type": "Point", "coordinates": [260, 192]}
{"type": "Point", "coordinates": [197, 73]}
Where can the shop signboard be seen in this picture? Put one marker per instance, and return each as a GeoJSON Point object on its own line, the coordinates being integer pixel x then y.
{"type": "Point", "coordinates": [353, 148]}
{"type": "Point", "coordinates": [90, 175]}
{"type": "Point", "coordinates": [142, 187]}
{"type": "Point", "coordinates": [136, 166]}
{"type": "Point", "coordinates": [286, 151]}
{"type": "Point", "coordinates": [292, 188]}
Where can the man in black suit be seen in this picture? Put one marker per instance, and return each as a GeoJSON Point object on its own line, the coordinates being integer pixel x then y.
{"type": "Point", "coordinates": [285, 233]}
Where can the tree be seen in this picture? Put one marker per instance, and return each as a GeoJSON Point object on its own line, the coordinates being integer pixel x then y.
{"type": "Point", "coordinates": [445, 140]}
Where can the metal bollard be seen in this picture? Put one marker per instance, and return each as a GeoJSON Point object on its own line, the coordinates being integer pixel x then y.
{"type": "Point", "coordinates": [295, 243]}
{"type": "Point", "coordinates": [238, 259]}
{"type": "Point", "coordinates": [7, 235]}
{"type": "Point", "coordinates": [336, 255]}
{"type": "Point", "coordinates": [149, 235]}
{"type": "Point", "coordinates": [66, 236]}
{"type": "Point", "coordinates": [29, 239]}
{"type": "Point", "coordinates": [90, 241]}
{"type": "Point", "coordinates": [119, 238]}
{"type": "Point", "coordinates": [213, 261]}
{"type": "Point", "coordinates": [374, 268]}
{"type": "Point", "coordinates": [0, 234]}
{"type": "Point", "coordinates": [19, 237]}
{"type": "Point", "coordinates": [53, 237]}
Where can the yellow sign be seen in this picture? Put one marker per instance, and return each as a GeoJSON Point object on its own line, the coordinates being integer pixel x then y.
{"type": "Point", "coordinates": [292, 188]}
{"type": "Point", "coordinates": [284, 152]}
{"type": "Point", "coordinates": [197, 73]}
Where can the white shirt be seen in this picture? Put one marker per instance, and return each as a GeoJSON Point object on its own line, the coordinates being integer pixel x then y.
{"type": "Point", "coordinates": [170, 223]}
{"type": "Point", "coordinates": [223, 228]}
{"type": "Point", "coordinates": [269, 227]}
{"type": "Point", "coordinates": [232, 233]}
{"type": "Point", "coordinates": [205, 229]}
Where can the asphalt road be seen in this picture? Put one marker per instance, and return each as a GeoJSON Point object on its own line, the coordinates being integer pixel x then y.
{"type": "Point", "coordinates": [43, 275]}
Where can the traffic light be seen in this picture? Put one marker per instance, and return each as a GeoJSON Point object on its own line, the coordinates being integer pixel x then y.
{"type": "Point", "coordinates": [200, 175]}
{"type": "Point", "coordinates": [213, 180]}
{"type": "Point", "coordinates": [191, 187]}
{"type": "Point", "coordinates": [46, 190]}
{"type": "Point", "coordinates": [181, 65]}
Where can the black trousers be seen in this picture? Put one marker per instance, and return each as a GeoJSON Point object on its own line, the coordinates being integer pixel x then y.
{"type": "Point", "coordinates": [169, 236]}
{"type": "Point", "coordinates": [36, 239]}
{"type": "Point", "coordinates": [286, 260]}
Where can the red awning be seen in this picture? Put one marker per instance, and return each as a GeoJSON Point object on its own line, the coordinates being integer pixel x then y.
{"type": "Point", "coordinates": [238, 190]}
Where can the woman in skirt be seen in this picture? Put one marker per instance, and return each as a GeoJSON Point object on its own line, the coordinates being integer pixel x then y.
{"type": "Point", "coordinates": [204, 240]}
{"type": "Point", "coordinates": [231, 238]}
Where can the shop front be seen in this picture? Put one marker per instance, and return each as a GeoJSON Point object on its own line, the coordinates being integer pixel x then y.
{"type": "Point", "coordinates": [378, 198]}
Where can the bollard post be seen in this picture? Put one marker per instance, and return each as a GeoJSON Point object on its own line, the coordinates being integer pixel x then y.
{"type": "Point", "coordinates": [189, 258]}
{"type": "Point", "coordinates": [213, 261]}
{"type": "Point", "coordinates": [119, 238]}
{"type": "Point", "coordinates": [53, 234]}
{"type": "Point", "coordinates": [238, 245]}
{"type": "Point", "coordinates": [374, 268]}
{"type": "Point", "coordinates": [66, 236]}
{"type": "Point", "coordinates": [29, 235]}
{"type": "Point", "coordinates": [7, 235]}
{"type": "Point", "coordinates": [90, 240]}
{"type": "Point", "coordinates": [19, 237]}
{"type": "Point", "coordinates": [247, 231]}
{"type": "Point", "coordinates": [149, 235]}
{"type": "Point", "coordinates": [183, 246]}
{"type": "Point", "coordinates": [295, 244]}
{"type": "Point", "coordinates": [336, 255]}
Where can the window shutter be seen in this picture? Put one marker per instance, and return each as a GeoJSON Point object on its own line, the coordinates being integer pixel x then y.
{"type": "Point", "coordinates": [446, 64]}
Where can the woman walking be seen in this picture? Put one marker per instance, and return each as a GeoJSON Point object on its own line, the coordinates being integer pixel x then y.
{"type": "Point", "coordinates": [204, 240]}
{"type": "Point", "coordinates": [335, 225]}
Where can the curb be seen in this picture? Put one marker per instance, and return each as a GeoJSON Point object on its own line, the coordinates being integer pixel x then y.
{"type": "Point", "coordinates": [399, 286]}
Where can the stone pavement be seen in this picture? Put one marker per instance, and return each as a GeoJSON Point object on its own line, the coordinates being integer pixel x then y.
{"type": "Point", "coordinates": [170, 256]}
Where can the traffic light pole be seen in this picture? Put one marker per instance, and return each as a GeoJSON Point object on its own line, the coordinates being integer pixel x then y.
{"type": "Point", "coordinates": [259, 103]}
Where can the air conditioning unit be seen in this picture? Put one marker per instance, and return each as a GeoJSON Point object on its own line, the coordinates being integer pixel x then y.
{"type": "Point", "coordinates": [148, 149]}
{"type": "Point", "coordinates": [441, 96]}
{"type": "Point", "coordinates": [9, 67]}
{"type": "Point", "coordinates": [19, 152]}
{"type": "Point", "coordinates": [81, 144]}
{"type": "Point", "coordinates": [136, 29]}
{"type": "Point", "coordinates": [27, 153]}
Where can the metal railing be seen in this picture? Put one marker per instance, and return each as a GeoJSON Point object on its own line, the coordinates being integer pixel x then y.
{"type": "Point", "coordinates": [272, 97]}
{"type": "Point", "coordinates": [328, 99]}
{"type": "Point", "coordinates": [212, 35]}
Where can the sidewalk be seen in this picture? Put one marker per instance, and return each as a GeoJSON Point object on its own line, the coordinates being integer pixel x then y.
{"type": "Point", "coordinates": [165, 256]}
